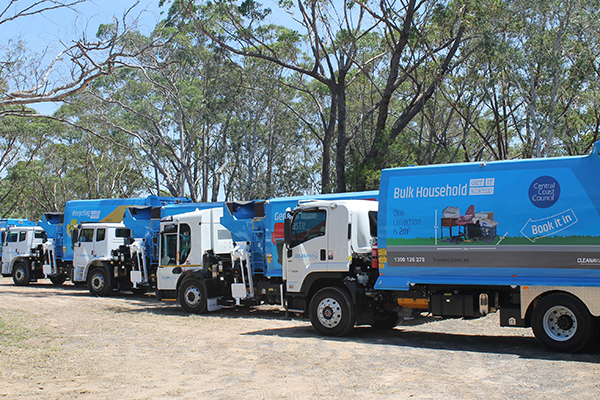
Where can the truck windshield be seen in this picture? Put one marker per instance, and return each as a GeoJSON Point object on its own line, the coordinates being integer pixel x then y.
{"type": "Point", "coordinates": [12, 237]}
{"type": "Point", "coordinates": [307, 225]}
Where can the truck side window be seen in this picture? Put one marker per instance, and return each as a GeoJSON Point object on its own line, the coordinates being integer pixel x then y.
{"type": "Point", "coordinates": [100, 234]}
{"type": "Point", "coordinates": [40, 235]}
{"type": "Point", "coordinates": [308, 225]}
{"type": "Point", "coordinates": [12, 237]}
{"type": "Point", "coordinates": [22, 236]}
{"type": "Point", "coordinates": [185, 242]}
{"type": "Point", "coordinates": [122, 233]}
{"type": "Point", "coordinates": [373, 223]}
{"type": "Point", "coordinates": [86, 235]}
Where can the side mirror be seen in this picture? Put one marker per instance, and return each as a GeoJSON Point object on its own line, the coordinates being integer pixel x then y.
{"type": "Point", "coordinates": [287, 231]}
{"type": "Point", "coordinates": [75, 236]}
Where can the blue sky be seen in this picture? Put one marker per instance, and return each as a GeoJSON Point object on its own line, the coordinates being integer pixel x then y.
{"type": "Point", "coordinates": [44, 33]}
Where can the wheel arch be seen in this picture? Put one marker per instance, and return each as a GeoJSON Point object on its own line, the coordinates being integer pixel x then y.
{"type": "Point", "coordinates": [531, 296]}
{"type": "Point", "coordinates": [319, 280]}
{"type": "Point", "coordinates": [22, 259]}
{"type": "Point", "coordinates": [97, 264]}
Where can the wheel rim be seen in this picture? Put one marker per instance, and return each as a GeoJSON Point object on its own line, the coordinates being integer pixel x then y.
{"type": "Point", "coordinates": [97, 282]}
{"type": "Point", "coordinates": [20, 274]}
{"type": "Point", "coordinates": [560, 323]}
{"type": "Point", "coordinates": [329, 312]}
{"type": "Point", "coordinates": [192, 296]}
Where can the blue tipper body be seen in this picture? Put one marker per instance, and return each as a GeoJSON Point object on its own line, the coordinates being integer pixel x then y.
{"type": "Point", "coordinates": [522, 222]}
{"type": "Point", "coordinates": [59, 226]}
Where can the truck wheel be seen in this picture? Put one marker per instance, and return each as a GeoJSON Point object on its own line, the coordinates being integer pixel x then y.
{"type": "Point", "coordinates": [562, 323]}
{"type": "Point", "coordinates": [57, 280]}
{"type": "Point", "coordinates": [21, 274]}
{"type": "Point", "coordinates": [332, 312]}
{"type": "Point", "coordinates": [192, 297]}
{"type": "Point", "coordinates": [99, 283]}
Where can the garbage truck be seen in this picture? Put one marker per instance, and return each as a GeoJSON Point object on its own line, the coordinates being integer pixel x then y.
{"type": "Point", "coordinates": [521, 237]}
{"type": "Point", "coordinates": [49, 251]}
{"type": "Point", "coordinates": [132, 263]}
{"type": "Point", "coordinates": [228, 256]}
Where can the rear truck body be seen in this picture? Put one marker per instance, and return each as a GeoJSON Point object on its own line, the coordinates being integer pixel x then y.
{"type": "Point", "coordinates": [461, 241]}
{"type": "Point", "coordinates": [251, 272]}
{"type": "Point", "coordinates": [53, 258]}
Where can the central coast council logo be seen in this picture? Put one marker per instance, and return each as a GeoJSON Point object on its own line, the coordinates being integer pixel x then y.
{"type": "Point", "coordinates": [544, 192]}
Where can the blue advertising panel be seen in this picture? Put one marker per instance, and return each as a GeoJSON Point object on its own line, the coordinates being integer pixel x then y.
{"type": "Point", "coordinates": [523, 222]}
{"type": "Point", "coordinates": [101, 210]}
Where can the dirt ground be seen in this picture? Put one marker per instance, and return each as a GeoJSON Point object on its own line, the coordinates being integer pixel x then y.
{"type": "Point", "coordinates": [61, 343]}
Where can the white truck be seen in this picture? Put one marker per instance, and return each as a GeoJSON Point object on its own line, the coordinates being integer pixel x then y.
{"type": "Point", "coordinates": [20, 256]}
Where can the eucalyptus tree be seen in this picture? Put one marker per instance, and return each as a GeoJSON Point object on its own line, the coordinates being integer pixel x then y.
{"type": "Point", "coordinates": [270, 153]}
{"type": "Point", "coordinates": [332, 33]}
{"type": "Point", "coordinates": [550, 66]}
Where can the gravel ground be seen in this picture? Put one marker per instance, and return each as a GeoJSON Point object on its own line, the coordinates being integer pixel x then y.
{"type": "Point", "coordinates": [61, 343]}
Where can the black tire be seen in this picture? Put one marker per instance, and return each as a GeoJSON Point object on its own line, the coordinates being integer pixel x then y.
{"type": "Point", "coordinates": [20, 274]}
{"type": "Point", "coordinates": [98, 282]}
{"type": "Point", "coordinates": [386, 320]}
{"type": "Point", "coordinates": [332, 312]}
{"type": "Point", "coordinates": [562, 323]}
{"type": "Point", "coordinates": [57, 280]}
{"type": "Point", "coordinates": [192, 297]}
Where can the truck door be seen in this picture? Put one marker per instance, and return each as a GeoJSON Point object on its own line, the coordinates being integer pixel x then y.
{"type": "Point", "coordinates": [10, 251]}
{"type": "Point", "coordinates": [175, 247]}
{"type": "Point", "coordinates": [83, 251]}
{"type": "Point", "coordinates": [308, 251]}
{"type": "Point", "coordinates": [24, 245]}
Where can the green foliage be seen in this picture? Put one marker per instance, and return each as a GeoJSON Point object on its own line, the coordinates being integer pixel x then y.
{"type": "Point", "coordinates": [193, 116]}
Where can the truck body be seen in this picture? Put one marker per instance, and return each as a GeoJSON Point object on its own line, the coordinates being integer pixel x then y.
{"type": "Point", "coordinates": [459, 241]}
{"type": "Point", "coordinates": [248, 271]}
{"type": "Point", "coordinates": [53, 256]}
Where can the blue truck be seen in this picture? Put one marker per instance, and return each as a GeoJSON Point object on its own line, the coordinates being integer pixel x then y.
{"type": "Point", "coordinates": [521, 237]}
{"type": "Point", "coordinates": [64, 246]}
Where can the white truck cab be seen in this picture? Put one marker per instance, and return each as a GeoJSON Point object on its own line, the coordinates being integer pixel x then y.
{"type": "Point", "coordinates": [324, 237]}
{"type": "Point", "coordinates": [19, 242]}
{"type": "Point", "coordinates": [184, 238]}
{"type": "Point", "coordinates": [93, 244]}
